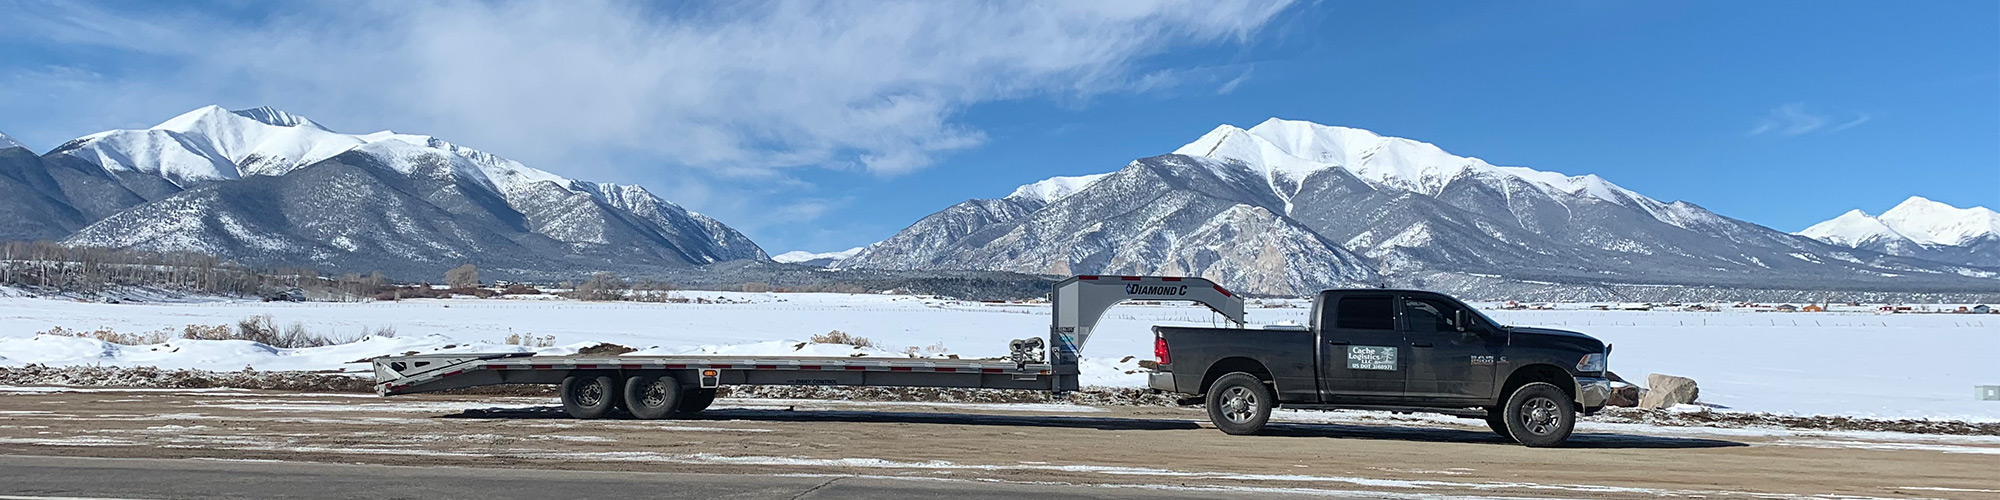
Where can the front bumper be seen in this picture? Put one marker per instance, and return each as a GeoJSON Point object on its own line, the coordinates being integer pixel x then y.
{"type": "Point", "coordinates": [1592, 392]}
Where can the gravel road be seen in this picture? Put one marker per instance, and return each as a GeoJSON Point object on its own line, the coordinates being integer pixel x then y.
{"type": "Point", "coordinates": [1118, 448]}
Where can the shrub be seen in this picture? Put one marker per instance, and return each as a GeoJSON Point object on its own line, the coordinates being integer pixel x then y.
{"type": "Point", "coordinates": [530, 340]}
{"type": "Point", "coordinates": [840, 337]}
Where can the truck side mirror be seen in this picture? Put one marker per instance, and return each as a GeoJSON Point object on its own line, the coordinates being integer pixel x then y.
{"type": "Point", "coordinates": [1458, 320]}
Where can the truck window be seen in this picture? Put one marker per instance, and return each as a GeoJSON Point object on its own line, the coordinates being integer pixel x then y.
{"type": "Point", "coordinates": [1365, 313]}
{"type": "Point", "coordinates": [1430, 315]}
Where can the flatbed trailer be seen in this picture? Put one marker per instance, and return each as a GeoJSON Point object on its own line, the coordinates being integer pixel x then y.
{"type": "Point", "coordinates": [663, 386]}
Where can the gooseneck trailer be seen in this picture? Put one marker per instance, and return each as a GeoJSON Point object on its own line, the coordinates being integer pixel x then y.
{"type": "Point", "coordinates": [662, 386]}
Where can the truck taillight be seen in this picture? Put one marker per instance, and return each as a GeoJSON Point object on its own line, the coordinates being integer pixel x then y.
{"type": "Point", "coordinates": [1160, 351]}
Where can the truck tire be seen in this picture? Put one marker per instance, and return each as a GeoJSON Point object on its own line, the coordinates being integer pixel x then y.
{"type": "Point", "coordinates": [694, 401]}
{"type": "Point", "coordinates": [1496, 419]}
{"type": "Point", "coordinates": [589, 395]}
{"type": "Point", "coordinates": [1540, 415]}
{"type": "Point", "coordinates": [1240, 404]}
{"type": "Point", "coordinates": [651, 396]}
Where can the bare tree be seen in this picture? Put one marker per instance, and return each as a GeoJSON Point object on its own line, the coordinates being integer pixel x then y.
{"type": "Point", "coordinates": [465, 276]}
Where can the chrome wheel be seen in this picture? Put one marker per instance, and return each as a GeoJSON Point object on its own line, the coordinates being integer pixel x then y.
{"type": "Point", "coordinates": [656, 394]}
{"type": "Point", "coordinates": [589, 394]}
{"type": "Point", "coordinates": [1540, 416]}
{"type": "Point", "coordinates": [1239, 405]}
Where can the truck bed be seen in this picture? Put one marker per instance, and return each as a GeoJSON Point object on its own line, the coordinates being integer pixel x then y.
{"type": "Point", "coordinates": [436, 372]}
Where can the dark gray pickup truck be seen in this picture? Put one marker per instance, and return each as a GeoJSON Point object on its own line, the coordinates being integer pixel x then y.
{"type": "Point", "coordinates": [1397, 350]}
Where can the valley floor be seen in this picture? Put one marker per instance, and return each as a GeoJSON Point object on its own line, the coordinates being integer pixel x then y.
{"type": "Point", "coordinates": [1904, 366]}
{"type": "Point", "coordinates": [1119, 450]}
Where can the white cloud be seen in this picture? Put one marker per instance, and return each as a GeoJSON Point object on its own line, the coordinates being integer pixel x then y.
{"type": "Point", "coordinates": [732, 88]}
{"type": "Point", "coordinates": [1794, 119]}
{"type": "Point", "coordinates": [1230, 86]}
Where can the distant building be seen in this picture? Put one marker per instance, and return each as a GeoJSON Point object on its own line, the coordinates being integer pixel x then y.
{"type": "Point", "coordinates": [1812, 308]}
{"type": "Point", "coordinates": [1787, 308]}
{"type": "Point", "coordinates": [1982, 309]}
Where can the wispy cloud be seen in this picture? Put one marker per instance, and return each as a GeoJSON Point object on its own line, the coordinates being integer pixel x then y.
{"type": "Point", "coordinates": [717, 105]}
{"type": "Point", "coordinates": [1795, 119]}
{"type": "Point", "coordinates": [1230, 86]}
{"type": "Point", "coordinates": [735, 87]}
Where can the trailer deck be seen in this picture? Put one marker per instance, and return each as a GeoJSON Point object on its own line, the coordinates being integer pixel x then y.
{"type": "Point", "coordinates": [661, 386]}
{"type": "Point", "coordinates": [437, 372]}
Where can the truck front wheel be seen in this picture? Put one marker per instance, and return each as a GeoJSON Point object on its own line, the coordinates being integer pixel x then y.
{"type": "Point", "coordinates": [589, 395]}
{"type": "Point", "coordinates": [1540, 415]}
{"type": "Point", "coordinates": [1239, 403]}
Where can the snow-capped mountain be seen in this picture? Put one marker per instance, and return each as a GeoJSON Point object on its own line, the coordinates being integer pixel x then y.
{"type": "Point", "coordinates": [820, 259]}
{"type": "Point", "coordinates": [275, 188]}
{"type": "Point", "coordinates": [1289, 207]}
{"type": "Point", "coordinates": [1919, 227]}
{"type": "Point", "coordinates": [9, 142]}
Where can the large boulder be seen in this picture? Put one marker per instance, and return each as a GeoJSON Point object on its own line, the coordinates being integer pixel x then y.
{"type": "Point", "coordinates": [1624, 395]}
{"type": "Point", "coordinates": [1667, 390]}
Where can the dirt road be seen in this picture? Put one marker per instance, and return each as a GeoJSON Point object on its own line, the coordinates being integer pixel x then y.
{"type": "Point", "coordinates": [1342, 453]}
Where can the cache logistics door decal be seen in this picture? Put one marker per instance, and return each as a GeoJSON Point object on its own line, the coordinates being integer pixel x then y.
{"type": "Point", "coordinates": [1368, 357]}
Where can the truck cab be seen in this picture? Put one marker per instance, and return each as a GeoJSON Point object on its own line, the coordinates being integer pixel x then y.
{"type": "Point", "coordinates": [1400, 350]}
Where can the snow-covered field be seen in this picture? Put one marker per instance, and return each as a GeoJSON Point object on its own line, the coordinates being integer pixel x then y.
{"type": "Point", "coordinates": [1857, 364]}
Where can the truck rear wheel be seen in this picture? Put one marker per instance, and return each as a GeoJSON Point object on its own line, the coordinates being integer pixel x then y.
{"type": "Point", "coordinates": [652, 396]}
{"type": "Point", "coordinates": [694, 401]}
{"type": "Point", "coordinates": [589, 395]}
{"type": "Point", "coordinates": [1540, 415]}
{"type": "Point", "coordinates": [1496, 419]}
{"type": "Point", "coordinates": [1239, 403]}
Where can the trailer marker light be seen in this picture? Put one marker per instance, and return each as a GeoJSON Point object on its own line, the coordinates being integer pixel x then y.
{"type": "Point", "coordinates": [709, 373]}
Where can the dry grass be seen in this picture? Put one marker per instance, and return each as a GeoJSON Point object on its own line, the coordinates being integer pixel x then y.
{"type": "Point", "coordinates": [530, 340]}
{"type": "Point", "coordinates": [840, 337]}
{"type": "Point", "coordinates": [108, 335]}
{"type": "Point", "coordinates": [258, 329]}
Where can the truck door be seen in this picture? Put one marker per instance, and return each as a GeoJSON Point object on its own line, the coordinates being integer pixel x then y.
{"type": "Point", "coordinates": [1362, 358]}
{"type": "Point", "coordinates": [1452, 357]}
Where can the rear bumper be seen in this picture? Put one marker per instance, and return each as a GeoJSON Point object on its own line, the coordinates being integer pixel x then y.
{"type": "Point", "coordinates": [1592, 392]}
{"type": "Point", "coordinates": [1160, 380]}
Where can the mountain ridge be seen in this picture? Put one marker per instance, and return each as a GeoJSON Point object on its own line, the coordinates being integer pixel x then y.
{"type": "Point", "coordinates": [1386, 211]}
{"type": "Point", "coordinates": [182, 179]}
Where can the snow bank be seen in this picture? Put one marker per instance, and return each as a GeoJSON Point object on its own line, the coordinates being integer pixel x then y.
{"type": "Point", "coordinates": [227, 355]}
{"type": "Point", "coordinates": [1908, 366]}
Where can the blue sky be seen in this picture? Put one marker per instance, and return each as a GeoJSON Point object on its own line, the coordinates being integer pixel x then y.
{"type": "Point", "coordinates": [829, 125]}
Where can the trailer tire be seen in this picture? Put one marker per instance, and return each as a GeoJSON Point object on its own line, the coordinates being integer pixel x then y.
{"type": "Point", "coordinates": [652, 396]}
{"type": "Point", "coordinates": [695, 401]}
{"type": "Point", "coordinates": [1540, 415]}
{"type": "Point", "coordinates": [589, 395]}
{"type": "Point", "coordinates": [1239, 403]}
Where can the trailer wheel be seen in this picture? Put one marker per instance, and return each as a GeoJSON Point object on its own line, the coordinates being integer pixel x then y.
{"type": "Point", "coordinates": [695, 401]}
{"type": "Point", "coordinates": [1239, 403]}
{"type": "Point", "coordinates": [652, 396]}
{"type": "Point", "coordinates": [1540, 415]}
{"type": "Point", "coordinates": [1496, 419]}
{"type": "Point", "coordinates": [589, 395]}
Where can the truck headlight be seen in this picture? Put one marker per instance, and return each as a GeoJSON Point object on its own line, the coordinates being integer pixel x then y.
{"type": "Point", "coordinates": [1593, 362]}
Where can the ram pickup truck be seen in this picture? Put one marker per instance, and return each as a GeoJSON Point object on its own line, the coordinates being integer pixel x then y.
{"type": "Point", "coordinates": [1397, 350]}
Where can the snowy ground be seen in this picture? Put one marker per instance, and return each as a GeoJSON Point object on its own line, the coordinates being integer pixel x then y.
{"type": "Point", "coordinates": [1856, 364]}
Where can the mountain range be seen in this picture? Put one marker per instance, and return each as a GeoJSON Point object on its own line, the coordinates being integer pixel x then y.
{"type": "Point", "coordinates": [1282, 208]}
{"type": "Point", "coordinates": [274, 189]}
{"type": "Point", "coordinates": [1918, 227]}
{"type": "Point", "coordinates": [1286, 207]}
